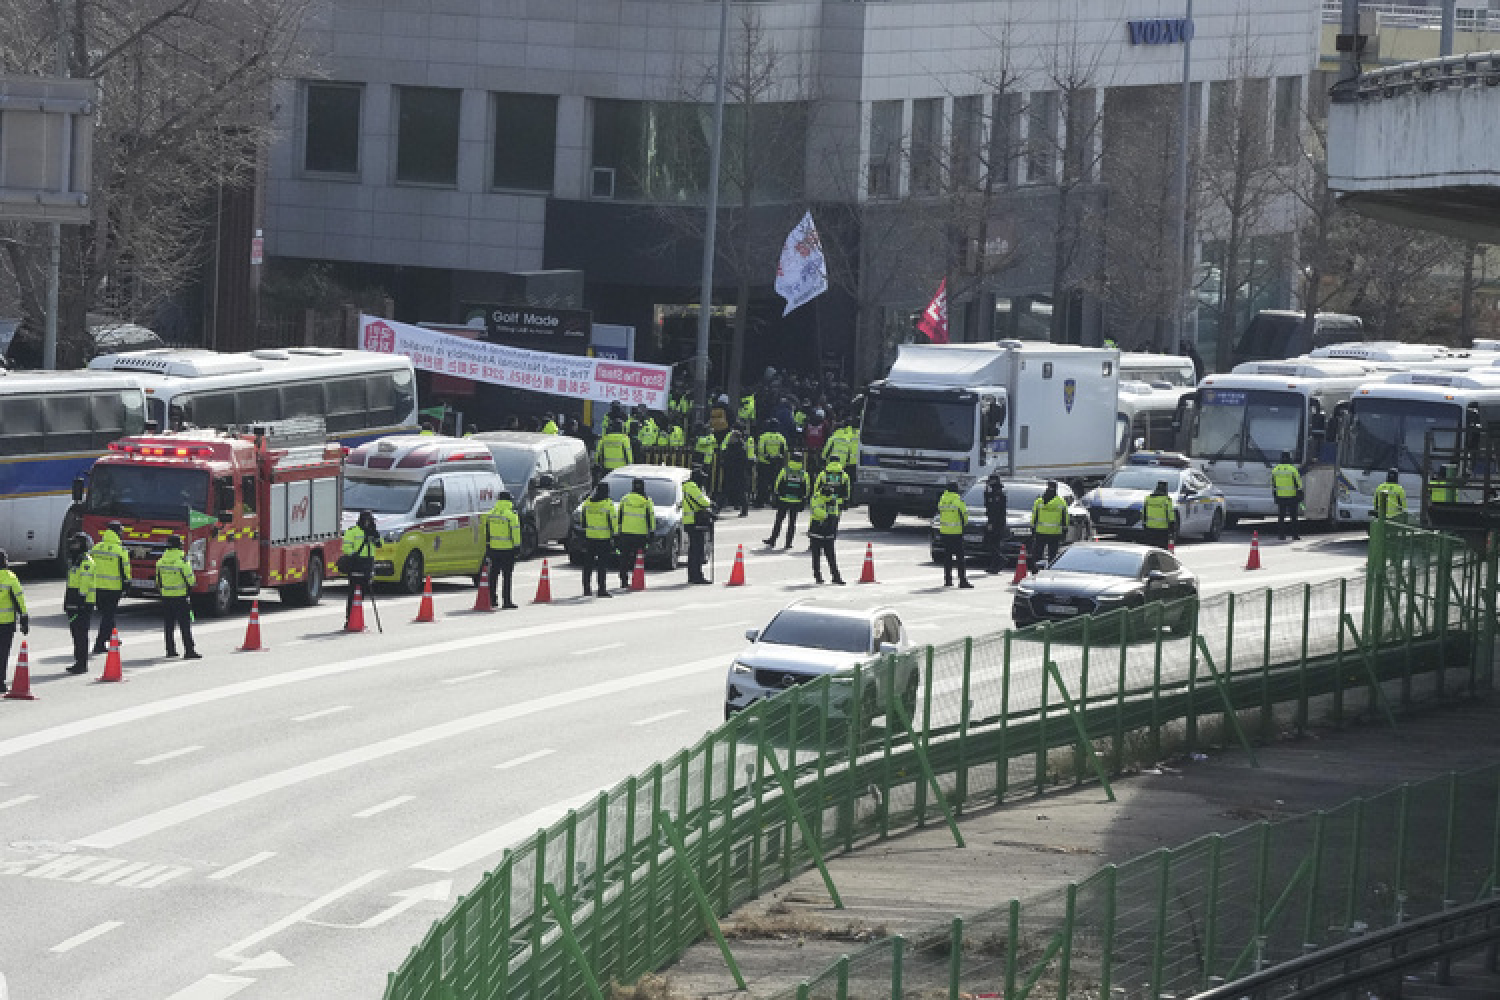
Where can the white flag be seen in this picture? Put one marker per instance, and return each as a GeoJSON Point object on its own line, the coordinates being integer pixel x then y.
{"type": "Point", "coordinates": [802, 274]}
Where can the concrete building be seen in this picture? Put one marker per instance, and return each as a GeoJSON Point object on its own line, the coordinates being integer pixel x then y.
{"type": "Point", "coordinates": [1021, 149]}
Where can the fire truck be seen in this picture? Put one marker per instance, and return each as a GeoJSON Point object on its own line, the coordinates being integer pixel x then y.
{"type": "Point", "coordinates": [257, 508]}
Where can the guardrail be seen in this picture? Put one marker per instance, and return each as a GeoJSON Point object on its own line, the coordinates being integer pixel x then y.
{"type": "Point", "coordinates": [627, 882]}
{"type": "Point", "coordinates": [1472, 69]}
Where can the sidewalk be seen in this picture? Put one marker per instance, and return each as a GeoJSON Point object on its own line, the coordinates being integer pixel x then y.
{"type": "Point", "coordinates": [919, 881]}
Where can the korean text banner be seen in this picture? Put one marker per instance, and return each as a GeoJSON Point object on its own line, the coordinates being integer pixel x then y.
{"type": "Point", "coordinates": [602, 379]}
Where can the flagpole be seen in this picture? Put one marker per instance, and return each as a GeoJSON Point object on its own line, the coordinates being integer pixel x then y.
{"type": "Point", "coordinates": [710, 224]}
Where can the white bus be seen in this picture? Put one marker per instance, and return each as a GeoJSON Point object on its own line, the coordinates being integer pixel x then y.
{"type": "Point", "coordinates": [1148, 417]}
{"type": "Point", "coordinates": [1388, 425]}
{"type": "Point", "coordinates": [1162, 371]}
{"type": "Point", "coordinates": [361, 395]}
{"type": "Point", "coordinates": [1238, 426]}
{"type": "Point", "coordinates": [53, 425]}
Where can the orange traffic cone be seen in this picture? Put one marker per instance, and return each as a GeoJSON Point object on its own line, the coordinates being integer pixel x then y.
{"type": "Point", "coordinates": [482, 600]}
{"type": "Point", "coordinates": [252, 632]}
{"type": "Point", "coordinates": [1021, 570]}
{"type": "Point", "coordinates": [113, 667]}
{"type": "Point", "coordinates": [1254, 562]}
{"type": "Point", "coordinates": [737, 574]}
{"type": "Point", "coordinates": [867, 575]}
{"type": "Point", "coordinates": [356, 622]}
{"type": "Point", "coordinates": [543, 587]}
{"type": "Point", "coordinates": [638, 576]}
{"type": "Point", "coordinates": [425, 612]}
{"type": "Point", "coordinates": [20, 689]}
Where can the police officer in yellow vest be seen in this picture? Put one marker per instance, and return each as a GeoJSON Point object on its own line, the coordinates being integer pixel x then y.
{"type": "Point", "coordinates": [770, 451]}
{"type": "Point", "coordinates": [174, 581]}
{"type": "Point", "coordinates": [834, 475]}
{"type": "Point", "coordinates": [1049, 521]}
{"type": "Point", "coordinates": [677, 436]}
{"type": "Point", "coordinates": [1390, 497]}
{"type": "Point", "coordinates": [601, 524]}
{"type": "Point", "coordinates": [111, 572]}
{"type": "Point", "coordinates": [698, 517]}
{"type": "Point", "coordinates": [12, 614]}
{"type": "Point", "coordinates": [1158, 516]}
{"type": "Point", "coordinates": [502, 541]}
{"type": "Point", "coordinates": [791, 492]}
{"type": "Point", "coordinates": [1286, 485]}
{"type": "Point", "coordinates": [549, 425]}
{"type": "Point", "coordinates": [358, 560]}
{"type": "Point", "coordinates": [637, 523]}
{"type": "Point", "coordinates": [706, 450]}
{"type": "Point", "coordinates": [953, 517]}
{"type": "Point", "coordinates": [613, 449]}
{"type": "Point", "coordinates": [78, 599]}
{"type": "Point", "coordinates": [822, 531]}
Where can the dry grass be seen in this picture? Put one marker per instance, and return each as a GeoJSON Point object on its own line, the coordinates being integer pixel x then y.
{"type": "Point", "coordinates": [780, 922]}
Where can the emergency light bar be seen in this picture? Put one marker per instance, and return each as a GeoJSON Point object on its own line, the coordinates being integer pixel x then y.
{"type": "Point", "coordinates": [162, 451]}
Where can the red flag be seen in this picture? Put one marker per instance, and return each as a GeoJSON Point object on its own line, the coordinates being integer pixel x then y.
{"type": "Point", "coordinates": [934, 322]}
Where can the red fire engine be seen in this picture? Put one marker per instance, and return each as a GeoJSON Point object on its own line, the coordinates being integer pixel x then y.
{"type": "Point", "coordinates": [255, 510]}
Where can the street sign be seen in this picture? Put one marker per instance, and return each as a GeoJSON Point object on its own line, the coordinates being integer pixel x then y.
{"type": "Point", "coordinates": [46, 148]}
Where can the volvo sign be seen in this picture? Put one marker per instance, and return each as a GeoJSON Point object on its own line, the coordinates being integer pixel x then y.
{"type": "Point", "coordinates": [1161, 31]}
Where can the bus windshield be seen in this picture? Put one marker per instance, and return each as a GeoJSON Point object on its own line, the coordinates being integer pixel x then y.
{"type": "Point", "coordinates": [1392, 433]}
{"type": "Point", "coordinates": [1250, 425]}
{"type": "Point", "coordinates": [147, 492]}
{"type": "Point", "coordinates": [927, 420]}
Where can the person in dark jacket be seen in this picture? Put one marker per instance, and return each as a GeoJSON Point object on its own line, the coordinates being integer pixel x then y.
{"type": "Point", "coordinates": [997, 527]}
{"type": "Point", "coordinates": [736, 482]}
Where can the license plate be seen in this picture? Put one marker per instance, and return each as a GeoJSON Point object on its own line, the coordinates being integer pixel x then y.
{"type": "Point", "coordinates": [1112, 520]}
{"type": "Point", "coordinates": [916, 490]}
{"type": "Point", "coordinates": [1061, 609]}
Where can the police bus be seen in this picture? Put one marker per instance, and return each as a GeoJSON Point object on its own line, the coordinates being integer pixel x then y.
{"type": "Point", "coordinates": [53, 425]}
{"type": "Point", "coordinates": [361, 395]}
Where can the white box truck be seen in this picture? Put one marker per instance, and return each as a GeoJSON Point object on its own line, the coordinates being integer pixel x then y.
{"type": "Point", "coordinates": [957, 412]}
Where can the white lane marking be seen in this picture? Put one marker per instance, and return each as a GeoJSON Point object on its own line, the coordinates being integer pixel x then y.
{"type": "Point", "coordinates": [494, 841]}
{"type": "Point", "coordinates": [658, 718]}
{"type": "Point", "coordinates": [154, 876]}
{"type": "Point", "coordinates": [246, 791]}
{"type": "Point", "coordinates": [234, 953]}
{"type": "Point", "coordinates": [240, 866]}
{"type": "Point", "coordinates": [321, 713]}
{"type": "Point", "coordinates": [124, 871]}
{"type": "Point", "coordinates": [108, 720]}
{"type": "Point", "coordinates": [213, 987]}
{"type": "Point", "coordinates": [527, 759]}
{"type": "Point", "coordinates": [599, 649]}
{"type": "Point", "coordinates": [723, 625]}
{"type": "Point", "coordinates": [170, 754]}
{"type": "Point", "coordinates": [19, 800]}
{"type": "Point", "coordinates": [86, 936]}
{"type": "Point", "coordinates": [469, 677]}
{"type": "Point", "coordinates": [399, 800]}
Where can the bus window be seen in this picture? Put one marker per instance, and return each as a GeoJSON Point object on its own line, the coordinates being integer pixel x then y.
{"type": "Point", "coordinates": [208, 409]}
{"type": "Point", "coordinates": [20, 425]}
{"type": "Point", "coordinates": [303, 399]}
{"type": "Point", "coordinates": [67, 424]}
{"type": "Point", "coordinates": [346, 402]}
{"type": "Point", "coordinates": [257, 406]}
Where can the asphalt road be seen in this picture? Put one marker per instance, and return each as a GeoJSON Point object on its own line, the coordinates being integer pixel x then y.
{"type": "Point", "coordinates": [287, 824]}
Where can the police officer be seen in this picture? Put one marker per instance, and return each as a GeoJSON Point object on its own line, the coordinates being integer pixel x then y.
{"type": "Point", "coordinates": [502, 540]}
{"type": "Point", "coordinates": [997, 523]}
{"type": "Point", "coordinates": [735, 479]}
{"type": "Point", "coordinates": [791, 494]}
{"type": "Point", "coordinates": [1049, 519]}
{"type": "Point", "coordinates": [705, 451]}
{"type": "Point", "coordinates": [771, 451]}
{"type": "Point", "coordinates": [698, 514]}
{"type": "Point", "coordinates": [111, 571]}
{"type": "Point", "coordinates": [549, 425]}
{"type": "Point", "coordinates": [1158, 516]}
{"type": "Point", "coordinates": [1390, 497]}
{"type": "Point", "coordinates": [637, 524]}
{"type": "Point", "coordinates": [953, 517]}
{"type": "Point", "coordinates": [613, 449]}
{"type": "Point", "coordinates": [174, 580]}
{"type": "Point", "coordinates": [1286, 487]}
{"type": "Point", "coordinates": [12, 614]}
{"type": "Point", "coordinates": [78, 599]}
{"type": "Point", "coordinates": [600, 525]}
{"type": "Point", "coordinates": [360, 543]}
{"type": "Point", "coordinates": [822, 530]}
{"type": "Point", "coordinates": [833, 474]}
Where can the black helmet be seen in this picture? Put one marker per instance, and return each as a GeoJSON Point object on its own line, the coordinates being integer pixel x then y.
{"type": "Point", "coordinates": [639, 485]}
{"type": "Point", "coordinates": [80, 543]}
{"type": "Point", "coordinates": [174, 541]}
{"type": "Point", "coordinates": [601, 492]}
{"type": "Point", "coordinates": [1161, 484]}
{"type": "Point", "coordinates": [1393, 475]}
{"type": "Point", "coordinates": [504, 495]}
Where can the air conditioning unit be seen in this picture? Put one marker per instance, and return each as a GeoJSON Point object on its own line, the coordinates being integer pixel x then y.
{"type": "Point", "coordinates": [604, 182]}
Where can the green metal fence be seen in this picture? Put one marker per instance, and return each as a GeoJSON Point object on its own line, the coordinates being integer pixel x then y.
{"type": "Point", "coordinates": [625, 884]}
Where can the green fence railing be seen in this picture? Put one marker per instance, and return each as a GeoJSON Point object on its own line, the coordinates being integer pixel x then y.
{"type": "Point", "coordinates": [627, 882]}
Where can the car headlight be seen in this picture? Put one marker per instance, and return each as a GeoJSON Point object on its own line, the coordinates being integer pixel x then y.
{"type": "Point", "coordinates": [195, 553]}
{"type": "Point", "coordinates": [740, 670]}
{"type": "Point", "coordinates": [1104, 599]}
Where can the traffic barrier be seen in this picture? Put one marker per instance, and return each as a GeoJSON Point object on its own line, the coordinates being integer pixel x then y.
{"type": "Point", "coordinates": [1021, 570]}
{"type": "Point", "coordinates": [737, 574]}
{"type": "Point", "coordinates": [425, 611]}
{"type": "Point", "coordinates": [1254, 560]}
{"type": "Point", "coordinates": [543, 587]}
{"type": "Point", "coordinates": [867, 575]}
{"type": "Point", "coordinates": [20, 689]}
{"type": "Point", "coordinates": [638, 576]}
{"type": "Point", "coordinates": [482, 600]}
{"type": "Point", "coordinates": [114, 667]}
{"type": "Point", "coordinates": [356, 622]}
{"type": "Point", "coordinates": [252, 632]}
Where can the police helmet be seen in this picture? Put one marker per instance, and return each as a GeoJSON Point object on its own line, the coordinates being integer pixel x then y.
{"type": "Point", "coordinates": [80, 542]}
{"type": "Point", "coordinates": [1393, 475]}
{"type": "Point", "coordinates": [601, 492]}
{"type": "Point", "coordinates": [174, 541]}
{"type": "Point", "coordinates": [1161, 485]}
{"type": "Point", "coordinates": [504, 495]}
{"type": "Point", "coordinates": [639, 485]}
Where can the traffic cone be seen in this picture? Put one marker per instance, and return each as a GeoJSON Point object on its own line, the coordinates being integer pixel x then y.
{"type": "Point", "coordinates": [1021, 570]}
{"type": "Point", "coordinates": [867, 575]}
{"type": "Point", "coordinates": [543, 587]}
{"type": "Point", "coordinates": [20, 689]}
{"type": "Point", "coordinates": [737, 574]}
{"type": "Point", "coordinates": [356, 621]}
{"type": "Point", "coordinates": [113, 668]}
{"type": "Point", "coordinates": [1254, 561]}
{"type": "Point", "coordinates": [425, 612]}
{"type": "Point", "coordinates": [252, 632]}
{"type": "Point", "coordinates": [1171, 545]}
{"type": "Point", "coordinates": [482, 600]}
{"type": "Point", "coordinates": [638, 576]}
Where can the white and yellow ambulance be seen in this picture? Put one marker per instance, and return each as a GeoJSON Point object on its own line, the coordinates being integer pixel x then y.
{"type": "Point", "coordinates": [429, 495]}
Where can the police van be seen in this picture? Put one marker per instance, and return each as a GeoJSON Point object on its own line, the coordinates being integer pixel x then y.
{"type": "Point", "coordinates": [429, 495]}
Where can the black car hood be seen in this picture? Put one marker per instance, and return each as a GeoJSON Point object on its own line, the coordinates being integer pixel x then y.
{"type": "Point", "coordinates": [1065, 584]}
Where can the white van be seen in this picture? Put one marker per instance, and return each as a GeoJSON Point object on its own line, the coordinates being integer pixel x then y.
{"type": "Point", "coordinates": [429, 495]}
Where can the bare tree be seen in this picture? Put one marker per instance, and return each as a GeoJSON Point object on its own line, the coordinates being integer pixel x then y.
{"type": "Point", "coordinates": [183, 111]}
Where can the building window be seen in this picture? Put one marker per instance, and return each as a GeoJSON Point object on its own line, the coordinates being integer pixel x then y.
{"type": "Point", "coordinates": [926, 145]}
{"type": "Point", "coordinates": [331, 142]}
{"type": "Point", "coordinates": [1288, 112]}
{"type": "Point", "coordinates": [884, 177]}
{"type": "Point", "coordinates": [765, 151]}
{"type": "Point", "coordinates": [525, 144]}
{"type": "Point", "coordinates": [1041, 138]}
{"type": "Point", "coordinates": [968, 129]}
{"type": "Point", "coordinates": [427, 135]}
{"type": "Point", "coordinates": [1005, 140]}
{"type": "Point", "coordinates": [653, 151]}
{"type": "Point", "coordinates": [1082, 127]}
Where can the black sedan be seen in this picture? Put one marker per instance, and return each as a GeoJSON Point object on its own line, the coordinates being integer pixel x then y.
{"type": "Point", "coordinates": [1095, 577]}
{"type": "Point", "coordinates": [1020, 496]}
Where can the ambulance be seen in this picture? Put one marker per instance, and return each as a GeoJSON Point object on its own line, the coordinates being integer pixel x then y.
{"type": "Point", "coordinates": [429, 495]}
